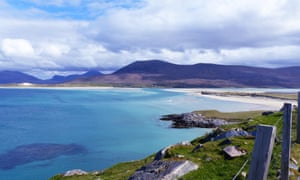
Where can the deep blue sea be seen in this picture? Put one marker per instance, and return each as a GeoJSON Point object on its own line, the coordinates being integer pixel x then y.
{"type": "Point", "coordinates": [44, 132]}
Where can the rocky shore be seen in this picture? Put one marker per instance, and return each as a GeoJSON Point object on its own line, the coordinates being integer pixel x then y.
{"type": "Point", "coordinates": [193, 119]}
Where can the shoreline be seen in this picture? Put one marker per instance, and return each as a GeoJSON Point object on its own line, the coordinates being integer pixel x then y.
{"type": "Point", "coordinates": [54, 87]}
{"type": "Point", "coordinates": [269, 103]}
{"type": "Point", "coordinates": [67, 87]}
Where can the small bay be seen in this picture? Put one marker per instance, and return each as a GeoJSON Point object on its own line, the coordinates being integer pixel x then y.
{"type": "Point", "coordinates": [112, 125]}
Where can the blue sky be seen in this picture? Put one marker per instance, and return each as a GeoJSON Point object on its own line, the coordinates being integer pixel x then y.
{"type": "Point", "coordinates": [74, 9]}
{"type": "Point", "coordinates": [44, 38]}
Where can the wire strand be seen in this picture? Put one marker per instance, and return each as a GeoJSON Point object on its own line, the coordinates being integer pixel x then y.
{"type": "Point", "coordinates": [278, 121]}
{"type": "Point", "coordinates": [245, 163]}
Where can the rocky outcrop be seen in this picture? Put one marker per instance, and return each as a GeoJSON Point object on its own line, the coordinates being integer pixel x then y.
{"type": "Point", "coordinates": [163, 152]}
{"type": "Point", "coordinates": [189, 120]}
{"type": "Point", "coordinates": [219, 134]}
{"type": "Point", "coordinates": [164, 170]}
{"type": "Point", "coordinates": [232, 133]}
{"type": "Point", "coordinates": [75, 172]}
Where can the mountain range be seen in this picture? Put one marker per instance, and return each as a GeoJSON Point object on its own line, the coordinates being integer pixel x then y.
{"type": "Point", "coordinates": [157, 73]}
{"type": "Point", "coordinates": [15, 77]}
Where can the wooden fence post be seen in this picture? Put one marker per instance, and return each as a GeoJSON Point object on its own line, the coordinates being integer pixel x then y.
{"type": "Point", "coordinates": [298, 120]}
{"type": "Point", "coordinates": [262, 152]}
{"type": "Point", "coordinates": [286, 141]}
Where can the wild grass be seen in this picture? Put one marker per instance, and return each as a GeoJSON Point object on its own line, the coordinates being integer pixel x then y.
{"type": "Point", "coordinates": [230, 116]}
{"type": "Point", "coordinates": [213, 164]}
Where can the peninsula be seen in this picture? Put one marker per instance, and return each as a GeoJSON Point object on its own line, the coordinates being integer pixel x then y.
{"type": "Point", "coordinates": [207, 153]}
{"type": "Point", "coordinates": [216, 155]}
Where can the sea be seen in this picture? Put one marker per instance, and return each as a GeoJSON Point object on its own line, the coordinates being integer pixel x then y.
{"type": "Point", "coordinates": [47, 131]}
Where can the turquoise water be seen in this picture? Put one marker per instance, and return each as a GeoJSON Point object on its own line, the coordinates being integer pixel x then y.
{"type": "Point", "coordinates": [113, 125]}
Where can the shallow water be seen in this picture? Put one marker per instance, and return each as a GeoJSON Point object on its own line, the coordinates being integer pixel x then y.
{"type": "Point", "coordinates": [113, 125]}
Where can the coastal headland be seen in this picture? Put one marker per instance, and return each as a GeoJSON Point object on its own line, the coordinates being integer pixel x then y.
{"type": "Point", "coordinates": [207, 157]}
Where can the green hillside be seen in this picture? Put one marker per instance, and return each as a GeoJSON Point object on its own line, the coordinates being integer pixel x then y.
{"type": "Point", "coordinates": [213, 164]}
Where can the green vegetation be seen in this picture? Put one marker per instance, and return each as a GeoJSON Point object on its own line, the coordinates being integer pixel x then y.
{"type": "Point", "coordinates": [230, 116]}
{"type": "Point", "coordinates": [124, 170]}
{"type": "Point", "coordinates": [286, 96]}
{"type": "Point", "coordinates": [213, 164]}
{"type": "Point", "coordinates": [118, 171]}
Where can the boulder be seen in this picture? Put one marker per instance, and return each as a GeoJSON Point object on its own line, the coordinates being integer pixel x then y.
{"type": "Point", "coordinates": [232, 133]}
{"type": "Point", "coordinates": [163, 152]}
{"type": "Point", "coordinates": [197, 148]}
{"type": "Point", "coordinates": [233, 151]}
{"type": "Point", "coordinates": [164, 170]}
{"type": "Point", "coordinates": [75, 172]}
{"type": "Point", "coordinates": [266, 113]}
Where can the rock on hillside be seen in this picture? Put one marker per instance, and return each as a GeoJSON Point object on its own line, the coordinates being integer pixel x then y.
{"type": "Point", "coordinates": [166, 170]}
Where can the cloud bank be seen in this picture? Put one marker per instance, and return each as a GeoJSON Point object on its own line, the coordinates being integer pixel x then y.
{"type": "Point", "coordinates": [60, 36]}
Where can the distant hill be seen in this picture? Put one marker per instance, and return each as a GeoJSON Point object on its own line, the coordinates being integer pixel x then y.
{"type": "Point", "coordinates": [63, 79]}
{"type": "Point", "coordinates": [161, 73]}
{"type": "Point", "coordinates": [12, 77]}
{"type": "Point", "coordinates": [156, 73]}
{"type": "Point", "coordinates": [15, 77]}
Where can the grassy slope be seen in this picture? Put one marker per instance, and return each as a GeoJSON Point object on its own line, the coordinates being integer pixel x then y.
{"type": "Point", "coordinates": [230, 116]}
{"type": "Point", "coordinates": [212, 162]}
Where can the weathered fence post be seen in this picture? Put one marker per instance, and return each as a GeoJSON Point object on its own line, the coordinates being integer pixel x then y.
{"type": "Point", "coordinates": [286, 141]}
{"type": "Point", "coordinates": [298, 120]}
{"type": "Point", "coordinates": [262, 152]}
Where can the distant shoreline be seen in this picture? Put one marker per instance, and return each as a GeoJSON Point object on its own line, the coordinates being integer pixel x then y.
{"type": "Point", "coordinates": [59, 87]}
{"type": "Point", "coordinates": [268, 102]}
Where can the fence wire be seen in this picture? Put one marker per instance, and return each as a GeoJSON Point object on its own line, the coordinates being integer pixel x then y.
{"type": "Point", "coordinates": [245, 163]}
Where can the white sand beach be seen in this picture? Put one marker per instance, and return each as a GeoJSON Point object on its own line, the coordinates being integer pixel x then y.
{"type": "Point", "coordinates": [268, 103]}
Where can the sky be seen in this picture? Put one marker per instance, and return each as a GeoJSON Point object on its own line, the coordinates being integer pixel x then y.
{"type": "Point", "coordinates": [50, 37]}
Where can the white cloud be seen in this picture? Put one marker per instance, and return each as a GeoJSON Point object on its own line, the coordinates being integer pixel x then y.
{"type": "Point", "coordinates": [251, 32]}
{"type": "Point", "coordinates": [194, 24]}
{"type": "Point", "coordinates": [267, 56]}
{"type": "Point", "coordinates": [53, 50]}
{"type": "Point", "coordinates": [17, 48]}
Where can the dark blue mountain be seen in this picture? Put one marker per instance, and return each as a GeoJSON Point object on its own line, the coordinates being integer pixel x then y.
{"type": "Point", "coordinates": [228, 75]}
{"type": "Point", "coordinates": [62, 79]}
{"type": "Point", "coordinates": [15, 77]}
{"type": "Point", "coordinates": [156, 73]}
{"type": "Point", "coordinates": [12, 77]}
